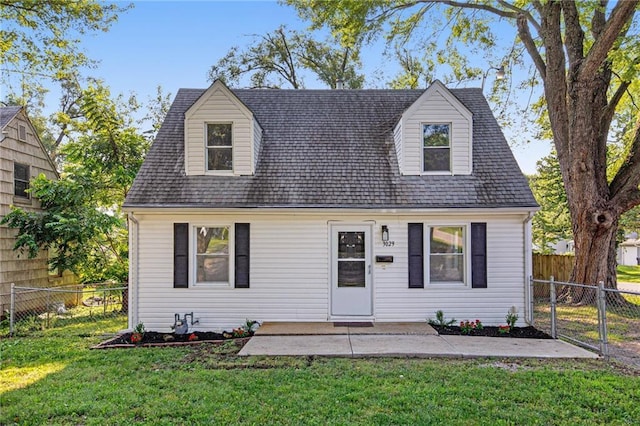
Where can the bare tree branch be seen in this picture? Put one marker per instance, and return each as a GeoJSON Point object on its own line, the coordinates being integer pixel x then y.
{"type": "Point", "coordinates": [530, 45]}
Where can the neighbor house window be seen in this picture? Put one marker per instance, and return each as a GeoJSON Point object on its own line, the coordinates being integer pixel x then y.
{"type": "Point", "coordinates": [436, 147]}
{"type": "Point", "coordinates": [21, 180]}
{"type": "Point", "coordinates": [212, 254]}
{"type": "Point", "coordinates": [219, 147]}
{"type": "Point", "coordinates": [446, 254]}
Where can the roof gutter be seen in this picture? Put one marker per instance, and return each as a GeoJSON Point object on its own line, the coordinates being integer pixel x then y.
{"type": "Point", "coordinates": [314, 210]}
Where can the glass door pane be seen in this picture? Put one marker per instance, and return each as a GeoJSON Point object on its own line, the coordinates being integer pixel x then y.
{"type": "Point", "coordinates": [351, 259]}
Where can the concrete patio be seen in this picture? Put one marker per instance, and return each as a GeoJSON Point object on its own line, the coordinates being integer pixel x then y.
{"type": "Point", "coordinates": [396, 339]}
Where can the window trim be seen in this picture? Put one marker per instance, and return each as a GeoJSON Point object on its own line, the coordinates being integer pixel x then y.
{"type": "Point", "coordinates": [422, 148]}
{"type": "Point", "coordinates": [466, 247]}
{"type": "Point", "coordinates": [193, 264]}
{"type": "Point", "coordinates": [27, 196]}
{"type": "Point", "coordinates": [206, 149]}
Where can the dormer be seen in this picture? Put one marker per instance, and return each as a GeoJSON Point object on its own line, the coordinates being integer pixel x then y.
{"type": "Point", "coordinates": [434, 135]}
{"type": "Point", "coordinates": [221, 135]}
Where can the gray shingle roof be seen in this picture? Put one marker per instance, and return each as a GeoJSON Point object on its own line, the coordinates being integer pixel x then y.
{"type": "Point", "coordinates": [7, 114]}
{"type": "Point", "coordinates": [331, 149]}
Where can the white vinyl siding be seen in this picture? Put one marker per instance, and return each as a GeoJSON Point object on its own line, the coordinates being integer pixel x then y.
{"type": "Point", "coordinates": [290, 266]}
{"type": "Point", "coordinates": [219, 105]}
{"type": "Point", "coordinates": [285, 284]}
{"type": "Point", "coordinates": [436, 105]}
{"type": "Point", "coordinates": [505, 276]}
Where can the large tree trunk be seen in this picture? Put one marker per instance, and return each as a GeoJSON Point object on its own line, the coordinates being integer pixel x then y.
{"type": "Point", "coordinates": [576, 88]}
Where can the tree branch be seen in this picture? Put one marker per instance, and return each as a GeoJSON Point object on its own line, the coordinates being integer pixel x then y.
{"type": "Point", "coordinates": [620, 16]}
{"type": "Point", "coordinates": [607, 114]}
{"type": "Point", "coordinates": [574, 35]}
{"type": "Point", "coordinates": [518, 10]}
{"type": "Point", "coordinates": [289, 59]}
{"type": "Point", "coordinates": [480, 6]}
{"type": "Point", "coordinates": [624, 186]}
{"type": "Point", "coordinates": [599, 19]}
{"type": "Point", "coordinates": [530, 45]}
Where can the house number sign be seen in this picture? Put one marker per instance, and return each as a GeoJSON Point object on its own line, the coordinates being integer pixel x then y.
{"type": "Point", "coordinates": [388, 243]}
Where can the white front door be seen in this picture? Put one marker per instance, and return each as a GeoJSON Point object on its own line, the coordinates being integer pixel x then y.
{"type": "Point", "coordinates": [351, 275]}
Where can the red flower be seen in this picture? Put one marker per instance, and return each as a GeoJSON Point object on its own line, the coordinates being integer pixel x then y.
{"type": "Point", "coordinates": [192, 337]}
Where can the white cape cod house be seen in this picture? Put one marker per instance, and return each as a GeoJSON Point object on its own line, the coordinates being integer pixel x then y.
{"type": "Point", "coordinates": [328, 205]}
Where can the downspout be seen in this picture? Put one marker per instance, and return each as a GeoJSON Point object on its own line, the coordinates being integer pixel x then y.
{"type": "Point", "coordinates": [134, 240]}
{"type": "Point", "coordinates": [528, 267]}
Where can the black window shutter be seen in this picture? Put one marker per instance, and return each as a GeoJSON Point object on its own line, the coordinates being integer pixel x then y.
{"type": "Point", "coordinates": [479, 255]}
{"type": "Point", "coordinates": [416, 255]}
{"type": "Point", "coordinates": [180, 255]}
{"type": "Point", "coordinates": [242, 255]}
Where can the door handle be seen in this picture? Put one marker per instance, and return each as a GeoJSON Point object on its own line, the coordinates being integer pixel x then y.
{"type": "Point", "coordinates": [369, 269]}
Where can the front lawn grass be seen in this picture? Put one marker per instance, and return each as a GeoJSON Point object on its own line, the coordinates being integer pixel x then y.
{"type": "Point", "coordinates": [53, 378]}
{"type": "Point", "coordinates": [629, 274]}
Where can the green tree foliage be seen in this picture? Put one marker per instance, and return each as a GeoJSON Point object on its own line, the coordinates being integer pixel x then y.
{"type": "Point", "coordinates": [82, 223]}
{"type": "Point", "coordinates": [552, 222]}
{"type": "Point", "coordinates": [70, 225]}
{"type": "Point", "coordinates": [413, 74]}
{"type": "Point", "coordinates": [279, 59]}
{"type": "Point", "coordinates": [40, 40]}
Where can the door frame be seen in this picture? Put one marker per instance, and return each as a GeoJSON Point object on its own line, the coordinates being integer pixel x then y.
{"type": "Point", "coordinates": [367, 228]}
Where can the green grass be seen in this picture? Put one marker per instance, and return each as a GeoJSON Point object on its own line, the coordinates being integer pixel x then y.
{"type": "Point", "coordinates": [629, 274]}
{"type": "Point", "coordinates": [53, 378]}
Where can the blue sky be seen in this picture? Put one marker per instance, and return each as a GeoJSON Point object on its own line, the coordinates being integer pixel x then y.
{"type": "Point", "coordinates": [174, 43]}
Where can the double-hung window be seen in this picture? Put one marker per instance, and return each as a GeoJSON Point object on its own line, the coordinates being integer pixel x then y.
{"type": "Point", "coordinates": [436, 147]}
{"type": "Point", "coordinates": [219, 147]}
{"type": "Point", "coordinates": [21, 180]}
{"type": "Point", "coordinates": [212, 254]}
{"type": "Point", "coordinates": [446, 254]}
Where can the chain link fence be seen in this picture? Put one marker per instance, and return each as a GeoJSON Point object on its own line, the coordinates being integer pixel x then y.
{"type": "Point", "coordinates": [602, 319]}
{"type": "Point", "coordinates": [32, 308]}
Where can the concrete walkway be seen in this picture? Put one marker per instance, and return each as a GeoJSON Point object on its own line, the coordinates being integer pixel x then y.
{"type": "Point", "coordinates": [633, 287]}
{"type": "Point", "coordinates": [396, 339]}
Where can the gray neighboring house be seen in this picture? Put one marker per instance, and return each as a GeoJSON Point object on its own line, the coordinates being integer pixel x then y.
{"type": "Point", "coordinates": [22, 157]}
{"type": "Point", "coordinates": [328, 205]}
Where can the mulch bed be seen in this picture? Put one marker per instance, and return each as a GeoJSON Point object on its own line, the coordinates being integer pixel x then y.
{"type": "Point", "coordinates": [153, 338]}
{"type": "Point", "coordinates": [518, 332]}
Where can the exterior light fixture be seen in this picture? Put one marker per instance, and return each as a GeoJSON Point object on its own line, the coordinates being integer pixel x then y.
{"type": "Point", "coordinates": [500, 74]}
{"type": "Point", "coordinates": [385, 233]}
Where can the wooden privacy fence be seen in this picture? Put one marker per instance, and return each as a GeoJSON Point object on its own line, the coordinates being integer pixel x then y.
{"type": "Point", "coordinates": [546, 265]}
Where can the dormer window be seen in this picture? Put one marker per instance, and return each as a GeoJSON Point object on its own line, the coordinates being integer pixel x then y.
{"type": "Point", "coordinates": [219, 147]}
{"type": "Point", "coordinates": [436, 147]}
